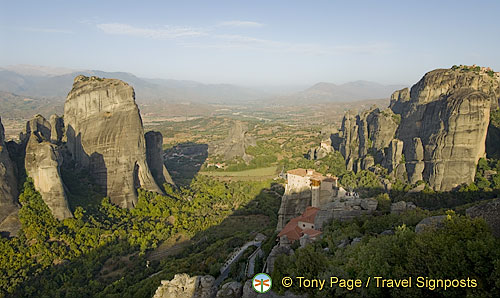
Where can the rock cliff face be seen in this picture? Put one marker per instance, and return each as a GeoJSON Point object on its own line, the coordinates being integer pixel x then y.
{"type": "Point", "coordinates": [56, 128]}
{"type": "Point", "coordinates": [154, 157]}
{"type": "Point", "coordinates": [235, 144]}
{"type": "Point", "coordinates": [42, 163]}
{"type": "Point", "coordinates": [104, 133]}
{"type": "Point", "coordinates": [367, 136]}
{"type": "Point", "coordinates": [435, 131]}
{"type": "Point", "coordinates": [292, 205]}
{"type": "Point", "coordinates": [8, 188]}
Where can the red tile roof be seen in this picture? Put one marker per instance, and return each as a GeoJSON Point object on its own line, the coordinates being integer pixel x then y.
{"type": "Point", "coordinates": [294, 232]}
{"type": "Point", "coordinates": [309, 215]}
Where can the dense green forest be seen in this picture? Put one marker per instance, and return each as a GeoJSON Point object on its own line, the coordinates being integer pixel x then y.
{"type": "Point", "coordinates": [65, 259]}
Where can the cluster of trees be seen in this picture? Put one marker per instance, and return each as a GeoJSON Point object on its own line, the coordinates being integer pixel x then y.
{"type": "Point", "coordinates": [361, 180]}
{"type": "Point", "coordinates": [65, 258]}
{"type": "Point", "coordinates": [333, 163]}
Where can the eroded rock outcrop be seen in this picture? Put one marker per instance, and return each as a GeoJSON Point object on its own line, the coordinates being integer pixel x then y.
{"type": "Point", "coordinates": [345, 209]}
{"type": "Point", "coordinates": [292, 205]}
{"type": "Point", "coordinates": [39, 126]}
{"type": "Point", "coordinates": [185, 286]}
{"type": "Point", "coordinates": [104, 133]}
{"type": "Point", "coordinates": [402, 206]}
{"type": "Point", "coordinates": [8, 189]}
{"type": "Point", "coordinates": [231, 289]}
{"type": "Point", "coordinates": [154, 157]}
{"type": "Point", "coordinates": [56, 128]}
{"type": "Point", "coordinates": [435, 131]}
{"type": "Point", "coordinates": [235, 144]}
{"type": "Point", "coordinates": [367, 134]}
{"type": "Point", "coordinates": [322, 151]}
{"type": "Point", "coordinates": [42, 163]}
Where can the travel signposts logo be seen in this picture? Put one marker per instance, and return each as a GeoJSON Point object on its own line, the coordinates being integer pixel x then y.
{"type": "Point", "coordinates": [261, 283]}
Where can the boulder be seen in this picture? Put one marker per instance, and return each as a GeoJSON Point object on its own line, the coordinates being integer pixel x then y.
{"type": "Point", "coordinates": [355, 241]}
{"type": "Point", "coordinates": [343, 243]}
{"type": "Point", "coordinates": [433, 222]}
{"type": "Point", "coordinates": [402, 206]}
{"type": "Point", "coordinates": [184, 286]}
{"type": "Point", "coordinates": [369, 204]}
{"type": "Point", "coordinates": [232, 289]}
{"type": "Point", "coordinates": [104, 134]}
{"type": "Point", "coordinates": [344, 209]}
{"type": "Point", "coordinates": [387, 232]}
{"type": "Point", "coordinates": [490, 211]}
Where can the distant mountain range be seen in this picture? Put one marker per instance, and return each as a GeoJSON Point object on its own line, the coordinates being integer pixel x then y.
{"type": "Point", "coordinates": [55, 83]}
{"type": "Point", "coordinates": [38, 82]}
{"type": "Point", "coordinates": [329, 92]}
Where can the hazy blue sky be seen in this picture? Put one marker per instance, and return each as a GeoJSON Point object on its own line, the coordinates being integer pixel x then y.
{"type": "Point", "coordinates": [253, 42]}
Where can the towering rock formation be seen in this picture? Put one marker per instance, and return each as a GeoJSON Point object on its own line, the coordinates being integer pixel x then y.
{"type": "Point", "coordinates": [415, 160]}
{"type": "Point", "coordinates": [438, 128]}
{"type": "Point", "coordinates": [42, 163]}
{"type": "Point", "coordinates": [8, 189]}
{"type": "Point", "coordinates": [365, 136]}
{"type": "Point", "coordinates": [453, 134]}
{"type": "Point", "coordinates": [350, 144]}
{"type": "Point", "coordinates": [104, 133]}
{"type": "Point", "coordinates": [235, 143]}
{"type": "Point", "coordinates": [39, 126]}
{"type": "Point", "coordinates": [56, 128]}
{"type": "Point", "coordinates": [154, 157]}
{"type": "Point", "coordinates": [322, 151]}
